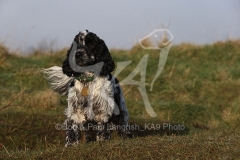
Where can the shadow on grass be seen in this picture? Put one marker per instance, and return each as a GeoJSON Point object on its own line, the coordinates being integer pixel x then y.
{"type": "Point", "coordinates": [21, 130]}
{"type": "Point", "coordinates": [147, 128]}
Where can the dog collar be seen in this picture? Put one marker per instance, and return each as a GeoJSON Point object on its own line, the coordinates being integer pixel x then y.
{"type": "Point", "coordinates": [85, 79]}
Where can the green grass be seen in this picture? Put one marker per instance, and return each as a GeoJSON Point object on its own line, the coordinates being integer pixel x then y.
{"type": "Point", "coordinates": [198, 88]}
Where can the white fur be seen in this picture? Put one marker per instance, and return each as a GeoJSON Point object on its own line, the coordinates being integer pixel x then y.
{"type": "Point", "coordinates": [58, 81]}
{"type": "Point", "coordinates": [101, 95]}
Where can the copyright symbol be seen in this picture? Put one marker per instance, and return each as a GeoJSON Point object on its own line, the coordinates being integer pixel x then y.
{"type": "Point", "coordinates": [58, 126]}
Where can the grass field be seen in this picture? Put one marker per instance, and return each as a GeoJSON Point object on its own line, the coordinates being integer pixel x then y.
{"type": "Point", "coordinates": [199, 89]}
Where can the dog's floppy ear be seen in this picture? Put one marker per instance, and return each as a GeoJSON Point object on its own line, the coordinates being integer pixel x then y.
{"type": "Point", "coordinates": [109, 64]}
{"type": "Point", "coordinates": [102, 54]}
{"type": "Point", "coordinates": [66, 68]}
{"type": "Point", "coordinates": [77, 38]}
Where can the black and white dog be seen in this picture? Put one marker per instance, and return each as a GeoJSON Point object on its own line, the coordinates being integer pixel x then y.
{"type": "Point", "coordinates": [94, 99]}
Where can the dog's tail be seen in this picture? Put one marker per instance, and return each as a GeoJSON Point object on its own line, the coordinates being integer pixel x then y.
{"type": "Point", "coordinates": [57, 79]}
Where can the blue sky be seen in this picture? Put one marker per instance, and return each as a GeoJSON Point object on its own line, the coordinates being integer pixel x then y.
{"type": "Point", "coordinates": [30, 23]}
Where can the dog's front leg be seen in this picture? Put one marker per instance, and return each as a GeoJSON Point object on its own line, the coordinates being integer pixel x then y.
{"type": "Point", "coordinates": [88, 130]}
{"type": "Point", "coordinates": [73, 133]}
{"type": "Point", "coordinates": [103, 132]}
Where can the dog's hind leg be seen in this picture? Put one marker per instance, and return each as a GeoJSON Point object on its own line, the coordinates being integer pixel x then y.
{"type": "Point", "coordinates": [121, 119]}
{"type": "Point", "coordinates": [118, 123]}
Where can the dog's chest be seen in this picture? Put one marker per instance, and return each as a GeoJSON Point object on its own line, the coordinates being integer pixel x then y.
{"type": "Point", "coordinates": [97, 104]}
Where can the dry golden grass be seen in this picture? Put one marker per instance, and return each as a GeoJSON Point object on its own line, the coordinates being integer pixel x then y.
{"type": "Point", "coordinates": [44, 99]}
{"type": "Point", "coordinates": [231, 115]}
{"type": "Point", "coordinates": [3, 57]}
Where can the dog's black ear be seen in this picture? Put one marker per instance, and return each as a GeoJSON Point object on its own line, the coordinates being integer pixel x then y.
{"type": "Point", "coordinates": [108, 67]}
{"type": "Point", "coordinates": [77, 38]}
{"type": "Point", "coordinates": [105, 56]}
{"type": "Point", "coordinates": [91, 41]}
{"type": "Point", "coordinates": [66, 66]}
{"type": "Point", "coordinates": [98, 47]}
{"type": "Point", "coordinates": [102, 54]}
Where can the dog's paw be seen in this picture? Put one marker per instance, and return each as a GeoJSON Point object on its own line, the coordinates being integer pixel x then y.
{"type": "Point", "coordinates": [67, 144]}
{"type": "Point", "coordinates": [126, 134]}
{"type": "Point", "coordinates": [103, 136]}
{"type": "Point", "coordinates": [70, 141]}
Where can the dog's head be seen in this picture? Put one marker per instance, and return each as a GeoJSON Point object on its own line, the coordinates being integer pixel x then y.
{"type": "Point", "coordinates": [92, 50]}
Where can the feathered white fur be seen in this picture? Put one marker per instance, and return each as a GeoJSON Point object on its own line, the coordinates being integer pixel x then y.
{"type": "Point", "coordinates": [100, 101]}
{"type": "Point", "coordinates": [59, 82]}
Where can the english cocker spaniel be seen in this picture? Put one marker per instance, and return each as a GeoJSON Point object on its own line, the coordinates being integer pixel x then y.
{"type": "Point", "coordinates": [96, 104]}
